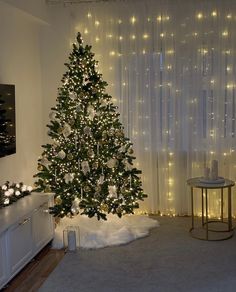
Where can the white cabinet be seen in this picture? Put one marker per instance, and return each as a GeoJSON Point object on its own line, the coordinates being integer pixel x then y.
{"type": "Point", "coordinates": [26, 227]}
{"type": "Point", "coordinates": [3, 264]}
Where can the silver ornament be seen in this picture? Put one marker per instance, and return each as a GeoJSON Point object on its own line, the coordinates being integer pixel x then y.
{"type": "Point", "coordinates": [61, 154]}
{"type": "Point", "coordinates": [69, 177]}
{"type": "Point", "coordinates": [66, 130]}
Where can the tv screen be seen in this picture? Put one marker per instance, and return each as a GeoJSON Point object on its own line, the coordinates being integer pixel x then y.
{"type": "Point", "coordinates": [7, 120]}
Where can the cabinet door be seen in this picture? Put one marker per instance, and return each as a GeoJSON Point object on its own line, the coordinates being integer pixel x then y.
{"type": "Point", "coordinates": [19, 244]}
{"type": "Point", "coordinates": [3, 262]}
{"type": "Point", "coordinates": [43, 228]}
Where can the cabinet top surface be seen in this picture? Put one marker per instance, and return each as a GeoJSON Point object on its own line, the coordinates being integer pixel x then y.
{"type": "Point", "coordinates": [19, 210]}
{"type": "Point", "coordinates": [198, 182]}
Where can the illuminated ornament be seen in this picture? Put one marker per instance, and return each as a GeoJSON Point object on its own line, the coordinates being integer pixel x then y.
{"type": "Point", "coordinates": [58, 200]}
{"type": "Point", "coordinates": [17, 193]}
{"type": "Point", "coordinates": [111, 163]}
{"type": "Point", "coordinates": [72, 95]}
{"type": "Point", "coordinates": [70, 156]}
{"type": "Point", "coordinates": [85, 167]}
{"type": "Point", "coordinates": [40, 167]}
{"type": "Point", "coordinates": [101, 179]}
{"type": "Point", "coordinates": [45, 162]}
{"type": "Point", "coordinates": [91, 112]}
{"type": "Point", "coordinates": [87, 130]}
{"type": "Point", "coordinates": [90, 153]}
{"type": "Point", "coordinates": [112, 191]}
{"type": "Point", "coordinates": [104, 207]}
{"type": "Point", "coordinates": [61, 154]}
{"type": "Point", "coordinates": [29, 188]}
{"type": "Point", "coordinates": [66, 130]}
{"type": "Point", "coordinates": [69, 177]}
{"type": "Point", "coordinates": [75, 206]}
{"type": "Point", "coordinates": [4, 187]}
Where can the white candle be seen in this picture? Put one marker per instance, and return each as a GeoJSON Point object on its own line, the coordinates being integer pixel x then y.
{"type": "Point", "coordinates": [214, 169]}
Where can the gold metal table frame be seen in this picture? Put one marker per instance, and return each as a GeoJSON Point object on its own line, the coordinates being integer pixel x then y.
{"type": "Point", "coordinates": [206, 231]}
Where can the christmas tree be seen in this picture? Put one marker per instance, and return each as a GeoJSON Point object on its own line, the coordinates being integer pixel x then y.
{"type": "Point", "coordinates": [89, 164]}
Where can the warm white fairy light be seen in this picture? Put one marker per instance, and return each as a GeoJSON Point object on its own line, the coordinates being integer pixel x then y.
{"type": "Point", "coordinates": [133, 20]}
{"type": "Point", "coordinates": [199, 15]}
{"type": "Point", "coordinates": [225, 33]}
{"type": "Point", "coordinates": [214, 13]}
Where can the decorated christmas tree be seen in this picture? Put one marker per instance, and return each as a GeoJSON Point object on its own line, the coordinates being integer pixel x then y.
{"type": "Point", "coordinates": [89, 164]}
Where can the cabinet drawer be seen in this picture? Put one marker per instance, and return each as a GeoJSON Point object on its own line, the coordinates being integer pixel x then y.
{"type": "Point", "coordinates": [3, 263]}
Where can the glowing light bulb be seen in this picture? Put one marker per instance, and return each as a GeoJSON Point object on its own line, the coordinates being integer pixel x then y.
{"type": "Point", "coordinates": [120, 38]}
{"type": "Point", "coordinates": [214, 13]}
{"type": "Point", "coordinates": [89, 15]}
{"type": "Point", "coordinates": [119, 21]}
{"type": "Point", "coordinates": [145, 36]}
{"type": "Point", "coordinates": [97, 39]}
{"type": "Point", "coordinates": [225, 33]}
{"type": "Point", "coordinates": [97, 23]}
{"type": "Point", "coordinates": [199, 16]}
{"type": "Point", "coordinates": [162, 35]}
{"type": "Point", "coordinates": [133, 20]}
{"type": "Point", "coordinates": [85, 31]}
{"type": "Point", "coordinates": [133, 37]}
{"type": "Point", "coordinates": [159, 18]}
{"type": "Point", "coordinates": [112, 53]}
{"type": "Point", "coordinates": [229, 16]}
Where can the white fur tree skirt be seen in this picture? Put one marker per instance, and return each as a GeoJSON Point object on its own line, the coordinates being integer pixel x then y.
{"type": "Point", "coordinates": [97, 234]}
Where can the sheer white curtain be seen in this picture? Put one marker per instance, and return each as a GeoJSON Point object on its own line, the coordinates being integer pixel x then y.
{"type": "Point", "coordinates": [171, 69]}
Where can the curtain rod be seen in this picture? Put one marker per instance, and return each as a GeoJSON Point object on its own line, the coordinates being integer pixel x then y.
{"type": "Point", "coordinates": [54, 2]}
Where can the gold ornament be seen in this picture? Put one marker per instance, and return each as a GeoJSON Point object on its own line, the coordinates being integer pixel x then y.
{"type": "Point", "coordinates": [86, 189]}
{"type": "Point", "coordinates": [118, 210]}
{"type": "Point", "coordinates": [47, 189]}
{"type": "Point", "coordinates": [59, 131]}
{"type": "Point", "coordinates": [58, 201]}
{"type": "Point", "coordinates": [104, 207]}
{"type": "Point", "coordinates": [130, 151]}
{"type": "Point", "coordinates": [40, 167]}
{"type": "Point", "coordinates": [70, 156]}
{"type": "Point", "coordinates": [95, 165]}
{"type": "Point", "coordinates": [98, 189]}
{"type": "Point", "coordinates": [90, 153]}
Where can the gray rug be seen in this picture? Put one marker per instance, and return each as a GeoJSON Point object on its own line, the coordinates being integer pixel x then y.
{"type": "Point", "coordinates": [167, 260]}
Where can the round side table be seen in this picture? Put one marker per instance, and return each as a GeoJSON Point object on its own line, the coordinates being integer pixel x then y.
{"type": "Point", "coordinates": [206, 231]}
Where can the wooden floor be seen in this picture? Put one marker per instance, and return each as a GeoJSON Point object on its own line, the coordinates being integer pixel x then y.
{"type": "Point", "coordinates": [36, 272]}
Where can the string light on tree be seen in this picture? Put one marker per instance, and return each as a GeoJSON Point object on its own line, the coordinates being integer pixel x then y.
{"type": "Point", "coordinates": [89, 164]}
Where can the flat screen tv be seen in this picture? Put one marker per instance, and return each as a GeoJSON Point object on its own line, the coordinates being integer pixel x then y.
{"type": "Point", "coordinates": [7, 120]}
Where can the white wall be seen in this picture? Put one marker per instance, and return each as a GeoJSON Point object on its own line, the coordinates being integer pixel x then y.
{"type": "Point", "coordinates": [20, 64]}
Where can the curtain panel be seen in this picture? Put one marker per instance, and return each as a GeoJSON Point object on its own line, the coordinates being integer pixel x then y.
{"type": "Point", "coordinates": [171, 69]}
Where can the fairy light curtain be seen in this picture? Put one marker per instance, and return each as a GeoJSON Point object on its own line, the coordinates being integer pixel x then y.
{"type": "Point", "coordinates": [171, 69]}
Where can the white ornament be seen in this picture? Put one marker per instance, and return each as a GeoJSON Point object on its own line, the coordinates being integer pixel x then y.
{"type": "Point", "coordinates": [45, 162]}
{"type": "Point", "coordinates": [69, 177]}
{"type": "Point", "coordinates": [128, 166]}
{"type": "Point", "coordinates": [75, 206]}
{"type": "Point", "coordinates": [66, 130]}
{"type": "Point", "coordinates": [17, 193]}
{"type": "Point", "coordinates": [85, 167]}
{"type": "Point", "coordinates": [4, 187]}
{"type": "Point", "coordinates": [61, 154]}
{"type": "Point", "coordinates": [29, 189]}
{"type": "Point", "coordinates": [24, 188]}
{"type": "Point", "coordinates": [18, 186]}
{"type": "Point", "coordinates": [111, 163]}
{"type": "Point", "coordinates": [91, 112]}
{"type": "Point", "coordinates": [11, 191]}
{"type": "Point", "coordinates": [101, 179]}
{"type": "Point", "coordinates": [6, 201]}
{"type": "Point", "coordinates": [52, 116]}
{"type": "Point", "coordinates": [103, 102]}
{"type": "Point", "coordinates": [55, 144]}
{"type": "Point", "coordinates": [73, 95]}
{"type": "Point", "coordinates": [112, 191]}
{"type": "Point", "coordinates": [87, 130]}
{"type": "Point", "coordinates": [7, 194]}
